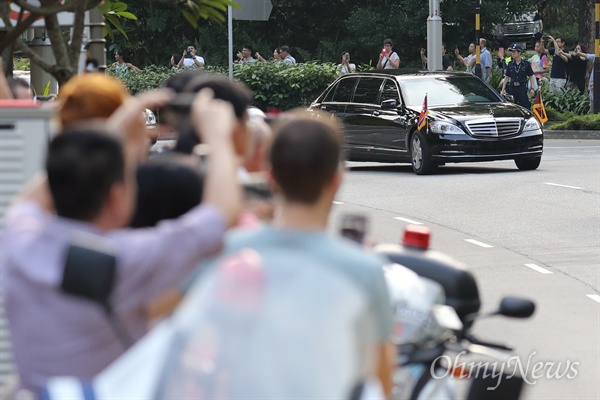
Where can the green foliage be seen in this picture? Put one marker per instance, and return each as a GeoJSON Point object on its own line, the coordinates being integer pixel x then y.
{"type": "Point", "coordinates": [150, 78]}
{"type": "Point", "coordinates": [496, 79]}
{"type": "Point", "coordinates": [566, 100]}
{"type": "Point", "coordinates": [21, 64]}
{"type": "Point", "coordinates": [554, 115]}
{"type": "Point", "coordinates": [589, 122]}
{"type": "Point", "coordinates": [285, 86]}
{"type": "Point", "coordinates": [113, 11]}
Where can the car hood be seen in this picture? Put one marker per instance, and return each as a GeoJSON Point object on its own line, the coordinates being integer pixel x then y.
{"type": "Point", "coordinates": [479, 110]}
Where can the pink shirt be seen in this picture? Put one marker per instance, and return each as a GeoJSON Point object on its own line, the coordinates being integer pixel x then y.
{"type": "Point", "coordinates": [55, 334]}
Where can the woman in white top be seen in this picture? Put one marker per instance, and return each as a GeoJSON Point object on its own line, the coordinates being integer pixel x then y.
{"type": "Point", "coordinates": [388, 59]}
{"type": "Point", "coordinates": [346, 67]}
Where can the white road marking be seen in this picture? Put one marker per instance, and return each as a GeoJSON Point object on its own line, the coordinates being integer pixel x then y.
{"type": "Point", "coordinates": [566, 186]}
{"type": "Point", "coordinates": [478, 243]}
{"type": "Point", "coordinates": [337, 202]}
{"type": "Point", "coordinates": [594, 297]}
{"type": "Point", "coordinates": [410, 221]}
{"type": "Point", "coordinates": [538, 269]}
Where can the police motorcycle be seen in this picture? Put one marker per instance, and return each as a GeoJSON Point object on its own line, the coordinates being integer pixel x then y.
{"type": "Point", "coordinates": [436, 302]}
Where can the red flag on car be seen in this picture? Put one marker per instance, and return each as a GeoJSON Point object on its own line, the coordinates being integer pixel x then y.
{"type": "Point", "coordinates": [538, 108]}
{"type": "Point", "coordinates": [423, 116]}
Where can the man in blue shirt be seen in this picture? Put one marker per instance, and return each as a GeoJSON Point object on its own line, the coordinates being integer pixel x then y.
{"type": "Point", "coordinates": [485, 58]}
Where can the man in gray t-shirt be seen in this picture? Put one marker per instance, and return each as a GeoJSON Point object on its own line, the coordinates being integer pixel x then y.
{"type": "Point", "coordinates": [289, 310]}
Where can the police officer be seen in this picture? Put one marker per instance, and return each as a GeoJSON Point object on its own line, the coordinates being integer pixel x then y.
{"type": "Point", "coordinates": [516, 75]}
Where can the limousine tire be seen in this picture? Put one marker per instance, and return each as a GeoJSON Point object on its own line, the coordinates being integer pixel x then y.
{"type": "Point", "coordinates": [528, 163]}
{"type": "Point", "coordinates": [420, 155]}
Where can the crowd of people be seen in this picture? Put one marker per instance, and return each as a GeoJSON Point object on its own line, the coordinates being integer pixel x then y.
{"type": "Point", "coordinates": [175, 221]}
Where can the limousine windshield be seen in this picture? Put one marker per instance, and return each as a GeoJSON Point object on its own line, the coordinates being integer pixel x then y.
{"type": "Point", "coordinates": [446, 90]}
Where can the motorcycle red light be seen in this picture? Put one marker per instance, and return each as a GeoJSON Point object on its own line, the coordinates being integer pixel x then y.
{"type": "Point", "coordinates": [416, 236]}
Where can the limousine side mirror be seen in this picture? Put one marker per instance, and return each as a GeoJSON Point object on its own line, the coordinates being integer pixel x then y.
{"type": "Point", "coordinates": [389, 104]}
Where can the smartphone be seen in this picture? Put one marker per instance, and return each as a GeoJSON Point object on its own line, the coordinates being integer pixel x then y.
{"type": "Point", "coordinates": [354, 227]}
{"type": "Point", "coordinates": [346, 56]}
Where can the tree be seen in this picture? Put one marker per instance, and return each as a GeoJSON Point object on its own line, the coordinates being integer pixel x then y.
{"type": "Point", "coordinates": [66, 46]}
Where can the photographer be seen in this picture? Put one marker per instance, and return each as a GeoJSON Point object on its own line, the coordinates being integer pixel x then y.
{"type": "Point", "coordinates": [388, 59]}
{"type": "Point", "coordinates": [189, 58]}
{"type": "Point", "coordinates": [346, 67]}
{"type": "Point", "coordinates": [245, 56]}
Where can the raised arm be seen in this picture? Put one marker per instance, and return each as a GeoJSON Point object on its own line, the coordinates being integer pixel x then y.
{"type": "Point", "coordinates": [214, 121]}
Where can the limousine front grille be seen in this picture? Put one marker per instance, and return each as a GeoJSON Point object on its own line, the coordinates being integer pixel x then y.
{"type": "Point", "coordinates": [494, 127]}
{"type": "Point", "coordinates": [520, 28]}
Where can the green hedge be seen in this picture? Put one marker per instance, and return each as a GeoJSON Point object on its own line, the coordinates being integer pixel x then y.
{"type": "Point", "coordinates": [273, 85]}
{"type": "Point", "coordinates": [590, 122]}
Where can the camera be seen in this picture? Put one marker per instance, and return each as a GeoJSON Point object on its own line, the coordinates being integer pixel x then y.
{"type": "Point", "coordinates": [346, 57]}
{"type": "Point", "coordinates": [188, 54]}
{"type": "Point", "coordinates": [354, 227]}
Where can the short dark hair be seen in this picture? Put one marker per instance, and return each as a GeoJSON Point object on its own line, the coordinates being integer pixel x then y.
{"type": "Point", "coordinates": [167, 187]}
{"type": "Point", "coordinates": [235, 93]}
{"type": "Point", "coordinates": [83, 163]}
{"type": "Point", "coordinates": [305, 154]}
{"type": "Point", "coordinates": [285, 48]}
{"type": "Point", "coordinates": [192, 45]}
{"type": "Point", "coordinates": [388, 41]}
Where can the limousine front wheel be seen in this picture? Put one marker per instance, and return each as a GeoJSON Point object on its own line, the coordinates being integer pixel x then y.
{"type": "Point", "coordinates": [420, 155]}
{"type": "Point", "coordinates": [528, 163]}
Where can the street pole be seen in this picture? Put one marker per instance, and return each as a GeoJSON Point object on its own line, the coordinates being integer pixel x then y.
{"type": "Point", "coordinates": [434, 37]}
{"type": "Point", "coordinates": [478, 70]}
{"type": "Point", "coordinates": [42, 46]}
{"type": "Point", "coordinates": [97, 41]}
{"type": "Point", "coordinates": [230, 36]}
{"type": "Point", "coordinates": [596, 105]}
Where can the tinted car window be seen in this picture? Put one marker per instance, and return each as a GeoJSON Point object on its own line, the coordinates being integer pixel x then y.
{"type": "Point", "coordinates": [390, 91]}
{"type": "Point", "coordinates": [367, 91]}
{"type": "Point", "coordinates": [446, 90]}
{"type": "Point", "coordinates": [343, 91]}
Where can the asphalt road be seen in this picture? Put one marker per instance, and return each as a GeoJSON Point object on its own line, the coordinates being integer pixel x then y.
{"type": "Point", "coordinates": [533, 234]}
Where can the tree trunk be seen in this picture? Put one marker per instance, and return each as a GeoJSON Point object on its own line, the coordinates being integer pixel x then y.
{"type": "Point", "coordinates": [587, 23]}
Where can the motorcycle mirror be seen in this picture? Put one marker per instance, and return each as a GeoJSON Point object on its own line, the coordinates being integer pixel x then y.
{"type": "Point", "coordinates": [516, 307]}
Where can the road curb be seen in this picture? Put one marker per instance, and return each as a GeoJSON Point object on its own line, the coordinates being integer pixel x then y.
{"type": "Point", "coordinates": [585, 135]}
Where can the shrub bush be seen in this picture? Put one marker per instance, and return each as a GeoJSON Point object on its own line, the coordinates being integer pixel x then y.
{"type": "Point", "coordinates": [276, 85]}
{"type": "Point", "coordinates": [285, 86]}
{"type": "Point", "coordinates": [590, 122]}
{"type": "Point", "coordinates": [566, 100]}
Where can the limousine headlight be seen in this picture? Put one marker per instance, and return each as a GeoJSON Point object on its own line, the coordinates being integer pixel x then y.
{"type": "Point", "coordinates": [531, 125]}
{"type": "Point", "coordinates": [445, 128]}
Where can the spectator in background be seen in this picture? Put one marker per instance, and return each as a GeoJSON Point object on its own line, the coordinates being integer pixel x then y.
{"type": "Point", "coordinates": [560, 60]}
{"type": "Point", "coordinates": [388, 59]}
{"type": "Point", "coordinates": [578, 68]}
{"type": "Point", "coordinates": [276, 56]}
{"type": "Point", "coordinates": [469, 62]}
{"type": "Point", "coordinates": [19, 88]}
{"type": "Point", "coordinates": [175, 59]}
{"type": "Point", "coordinates": [485, 58]}
{"type": "Point", "coordinates": [345, 67]}
{"type": "Point", "coordinates": [245, 56]}
{"type": "Point", "coordinates": [284, 53]}
{"type": "Point", "coordinates": [539, 61]}
{"type": "Point", "coordinates": [446, 63]}
{"type": "Point", "coordinates": [90, 184]}
{"type": "Point", "coordinates": [592, 58]}
{"type": "Point", "coordinates": [122, 65]}
{"type": "Point", "coordinates": [189, 58]}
